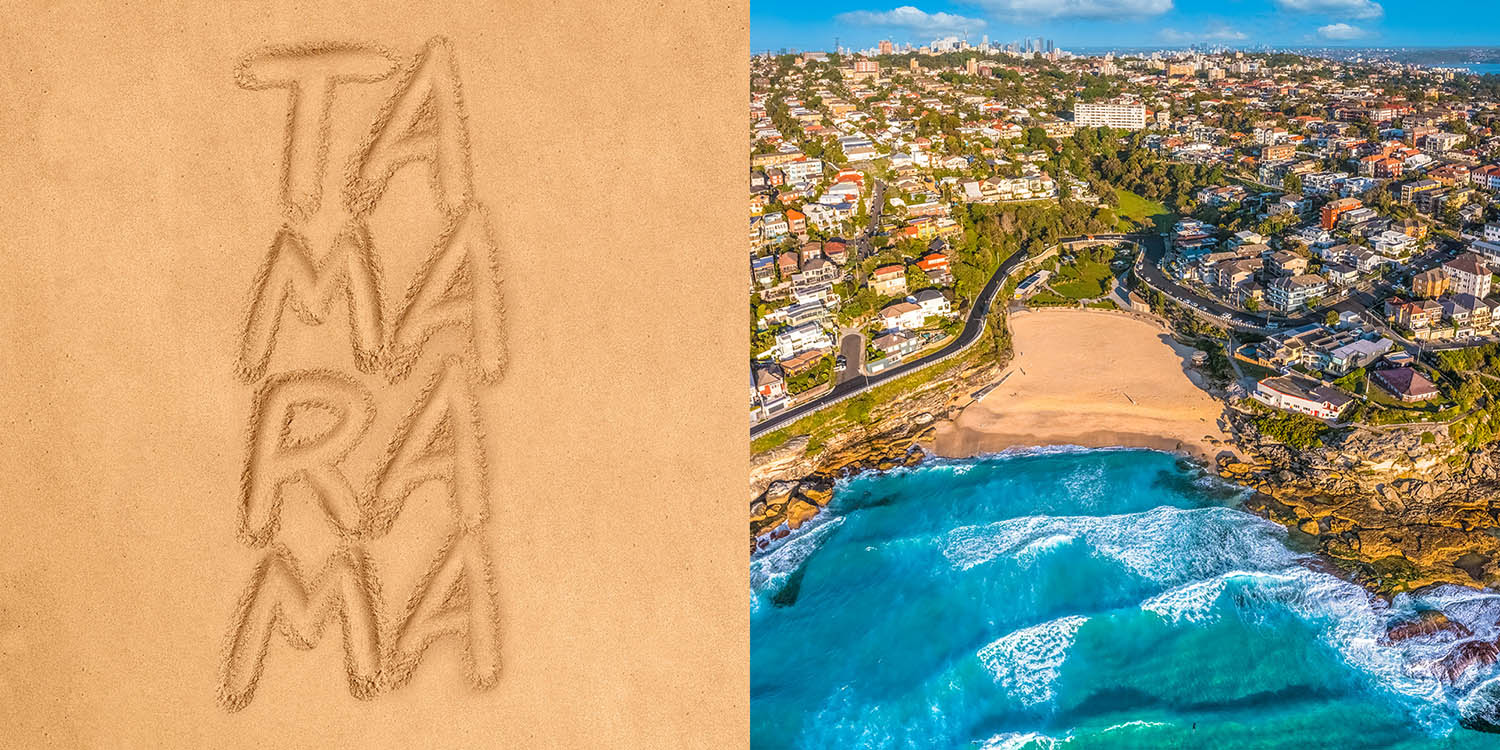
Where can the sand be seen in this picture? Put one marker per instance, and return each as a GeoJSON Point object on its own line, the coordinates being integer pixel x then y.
{"type": "Point", "coordinates": [1092, 379]}
{"type": "Point", "coordinates": [523, 522]}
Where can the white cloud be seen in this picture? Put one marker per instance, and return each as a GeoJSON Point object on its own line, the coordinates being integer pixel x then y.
{"type": "Point", "coordinates": [1212, 34]}
{"type": "Point", "coordinates": [911, 19]}
{"type": "Point", "coordinates": [1350, 8]}
{"type": "Point", "coordinates": [1340, 32]}
{"type": "Point", "coordinates": [1095, 9]}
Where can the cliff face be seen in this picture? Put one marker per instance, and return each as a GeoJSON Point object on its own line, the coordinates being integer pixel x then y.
{"type": "Point", "coordinates": [791, 484]}
{"type": "Point", "coordinates": [1397, 508]}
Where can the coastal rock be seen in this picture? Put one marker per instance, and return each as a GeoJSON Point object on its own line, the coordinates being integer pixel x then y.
{"type": "Point", "coordinates": [1427, 623]}
{"type": "Point", "coordinates": [1464, 656]}
{"type": "Point", "coordinates": [791, 483]}
{"type": "Point", "coordinates": [800, 512]}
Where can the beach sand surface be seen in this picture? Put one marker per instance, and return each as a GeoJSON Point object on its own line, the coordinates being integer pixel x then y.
{"type": "Point", "coordinates": [1091, 379]}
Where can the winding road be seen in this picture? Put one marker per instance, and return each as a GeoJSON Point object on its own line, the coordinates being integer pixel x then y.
{"type": "Point", "coordinates": [973, 326]}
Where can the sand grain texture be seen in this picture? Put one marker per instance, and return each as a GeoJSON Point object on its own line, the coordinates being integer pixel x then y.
{"type": "Point", "coordinates": [593, 396]}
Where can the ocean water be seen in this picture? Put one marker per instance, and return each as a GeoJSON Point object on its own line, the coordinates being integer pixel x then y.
{"type": "Point", "coordinates": [1090, 599]}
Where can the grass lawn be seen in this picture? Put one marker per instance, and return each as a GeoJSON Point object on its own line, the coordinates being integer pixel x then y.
{"type": "Point", "coordinates": [1082, 279]}
{"type": "Point", "coordinates": [1137, 212]}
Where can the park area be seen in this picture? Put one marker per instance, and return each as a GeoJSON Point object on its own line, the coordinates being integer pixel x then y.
{"type": "Point", "coordinates": [1139, 214]}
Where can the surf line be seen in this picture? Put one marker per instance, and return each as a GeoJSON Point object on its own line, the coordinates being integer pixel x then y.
{"type": "Point", "coordinates": [305, 422]}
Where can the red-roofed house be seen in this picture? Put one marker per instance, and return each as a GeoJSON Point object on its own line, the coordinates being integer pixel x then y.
{"type": "Point", "coordinates": [1406, 384]}
{"type": "Point", "coordinates": [889, 281]}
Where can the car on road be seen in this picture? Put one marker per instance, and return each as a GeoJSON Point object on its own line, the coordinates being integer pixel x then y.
{"type": "Point", "coordinates": [839, 363]}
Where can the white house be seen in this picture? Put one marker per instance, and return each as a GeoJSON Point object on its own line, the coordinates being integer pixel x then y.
{"type": "Point", "coordinates": [1302, 395]}
{"type": "Point", "coordinates": [933, 303]}
{"type": "Point", "coordinates": [903, 316]}
{"type": "Point", "coordinates": [803, 338]}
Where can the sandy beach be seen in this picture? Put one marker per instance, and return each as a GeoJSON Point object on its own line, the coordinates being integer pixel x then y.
{"type": "Point", "coordinates": [1091, 379]}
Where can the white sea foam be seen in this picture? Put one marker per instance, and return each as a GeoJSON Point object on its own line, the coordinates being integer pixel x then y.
{"type": "Point", "coordinates": [770, 570]}
{"type": "Point", "coordinates": [1164, 544]}
{"type": "Point", "coordinates": [1025, 662]}
{"type": "Point", "coordinates": [1019, 741]}
{"type": "Point", "coordinates": [1350, 621]}
{"type": "Point", "coordinates": [1038, 547]}
{"type": "Point", "coordinates": [1086, 482]}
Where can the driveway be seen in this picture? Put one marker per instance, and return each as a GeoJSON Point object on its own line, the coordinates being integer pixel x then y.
{"type": "Point", "coordinates": [852, 347]}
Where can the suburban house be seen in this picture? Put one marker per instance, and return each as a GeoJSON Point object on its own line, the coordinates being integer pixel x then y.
{"type": "Point", "coordinates": [837, 251]}
{"type": "Point", "coordinates": [787, 264]}
{"type": "Point", "coordinates": [799, 339]}
{"type": "Point", "coordinates": [889, 281]}
{"type": "Point", "coordinates": [1405, 383]}
{"type": "Point", "coordinates": [1418, 316]}
{"type": "Point", "coordinates": [933, 303]}
{"type": "Point", "coordinates": [769, 384]}
{"type": "Point", "coordinates": [897, 344]}
{"type": "Point", "coordinates": [802, 362]}
{"type": "Point", "coordinates": [1339, 274]}
{"type": "Point", "coordinates": [816, 271]}
{"type": "Point", "coordinates": [1286, 263]}
{"type": "Point", "coordinates": [935, 265]}
{"type": "Point", "coordinates": [1303, 396]}
{"type": "Point", "coordinates": [902, 316]}
{"type": "Point", "coordinates": [763, 270]}
{"type": "Point", "coordinates": [796, 222]}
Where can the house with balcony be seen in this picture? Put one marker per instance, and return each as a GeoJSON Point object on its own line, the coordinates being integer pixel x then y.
{"type": "Point", "coordinates": [889, 281]}
{"type": "Point", "coordinates": [1302, 395]}
{"type": "Point", "coordinates": [902, 316]}
{"type": "Point", "coordinates": [1290, 293]}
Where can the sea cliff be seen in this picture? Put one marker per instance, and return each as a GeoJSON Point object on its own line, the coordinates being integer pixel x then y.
{"type": "Point", "coordinates": [1398, 508]}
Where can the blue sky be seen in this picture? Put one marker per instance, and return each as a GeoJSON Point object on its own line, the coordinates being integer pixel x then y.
{"type": "Point", "coordinates": [775, 24]}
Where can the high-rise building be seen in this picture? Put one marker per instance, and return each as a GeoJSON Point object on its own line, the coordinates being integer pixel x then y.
{"type": "Point", "coordinates": [885, 47]}
{"type": "Point", "coordinates": [1123, 116]}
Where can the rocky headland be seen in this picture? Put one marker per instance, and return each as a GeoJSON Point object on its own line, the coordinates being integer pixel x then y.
{"type": "Point", "coordinates": [792, 483]}
{"type": "Point", "coordinates": [1398, 508]}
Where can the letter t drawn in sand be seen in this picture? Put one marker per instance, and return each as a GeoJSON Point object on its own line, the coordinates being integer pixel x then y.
{"type": "Point", "coordinates": [307, 426]}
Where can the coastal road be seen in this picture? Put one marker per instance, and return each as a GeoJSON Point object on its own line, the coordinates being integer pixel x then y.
{"type": "Point", "coordinates": [1155, 248]}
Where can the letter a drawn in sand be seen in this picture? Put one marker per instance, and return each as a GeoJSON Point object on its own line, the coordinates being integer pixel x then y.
{"type": "Point", "coordinates": [307, 426]}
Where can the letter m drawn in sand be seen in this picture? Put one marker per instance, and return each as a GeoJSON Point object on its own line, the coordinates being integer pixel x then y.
{"type": "Point", "coordinates": [313, 437]}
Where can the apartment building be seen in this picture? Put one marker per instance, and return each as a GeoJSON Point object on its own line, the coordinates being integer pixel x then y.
{"type": "Point", "coordinates": [1293, 292]}
{"type": "Point", "coordinates": [1123, 116]}
{"type": "Point", "coordinates": [1468, 274]}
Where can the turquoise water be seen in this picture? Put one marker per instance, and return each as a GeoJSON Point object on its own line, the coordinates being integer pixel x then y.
{"type": "Point", "coordinates": [1480, 68]}
{"type": "Point", "coordinates": [1084, 599]}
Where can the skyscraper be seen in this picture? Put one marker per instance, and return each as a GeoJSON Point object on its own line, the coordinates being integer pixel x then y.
{"type": "Point", "coordinates": [885, 47]}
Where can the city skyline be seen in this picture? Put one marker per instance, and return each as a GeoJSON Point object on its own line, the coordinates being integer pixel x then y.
{"type": "Point", "coordinates": [1082, 24]}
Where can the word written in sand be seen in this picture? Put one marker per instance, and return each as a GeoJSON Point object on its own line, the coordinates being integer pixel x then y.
{"type": "Point", "coordinates": [306, 425]}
